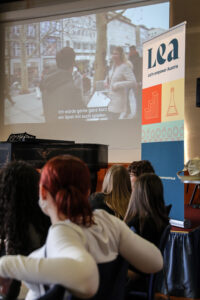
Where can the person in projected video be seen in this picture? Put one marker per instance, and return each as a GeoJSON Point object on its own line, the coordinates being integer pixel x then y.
{"type": "Point", "coordinates": [59, 92]}
{"type": "Point", "coordinates": [136, 62]}
{"type": "Point", "coordinates": [120, 79]}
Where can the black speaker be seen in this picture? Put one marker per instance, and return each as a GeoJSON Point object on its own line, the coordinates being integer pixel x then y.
{"type": "Point", "coordinates": [198, 93]}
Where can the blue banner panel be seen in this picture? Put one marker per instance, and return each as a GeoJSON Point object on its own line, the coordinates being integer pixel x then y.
{"type": "Point", "coordinates": [167, 159]}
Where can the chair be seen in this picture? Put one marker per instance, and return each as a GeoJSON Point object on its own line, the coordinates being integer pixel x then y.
{"type": "Point", "coordinates": [111, 287]}
{"type": "Point", "coordinates": [149, 294]}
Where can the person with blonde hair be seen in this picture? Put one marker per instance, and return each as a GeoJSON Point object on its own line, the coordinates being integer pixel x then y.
{"type": "Point", "coordinates": [120, 79]}
{"type": "Point", "coordinates": [116, 192]}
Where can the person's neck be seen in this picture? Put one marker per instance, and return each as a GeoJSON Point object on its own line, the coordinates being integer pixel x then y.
{"type": "Point", "coordinates": [55, 218]}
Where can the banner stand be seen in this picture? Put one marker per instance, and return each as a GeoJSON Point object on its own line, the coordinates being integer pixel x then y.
{"type": "Point", "coordinates": [163, 93]}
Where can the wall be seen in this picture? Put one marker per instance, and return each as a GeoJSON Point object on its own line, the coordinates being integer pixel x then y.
{"type": "Point", "coordinates": [184, 10]}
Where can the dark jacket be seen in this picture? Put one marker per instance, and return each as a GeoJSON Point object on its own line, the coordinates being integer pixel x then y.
{"type": "Point", "coordinates": [149, 230]}
{"type": "Point", "coordinates": [60, 96]}
{"type": "Point", "coordinates": [136, 61]}
{"type": "Point", "coordinates": [97, 201]}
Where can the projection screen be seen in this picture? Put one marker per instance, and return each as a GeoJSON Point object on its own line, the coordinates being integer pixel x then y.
{"type": "Point", "coordinates": [78, 76]}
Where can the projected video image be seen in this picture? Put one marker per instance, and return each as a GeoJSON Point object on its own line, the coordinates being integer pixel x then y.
{"type": "Point", "coordinates": [87, 67]}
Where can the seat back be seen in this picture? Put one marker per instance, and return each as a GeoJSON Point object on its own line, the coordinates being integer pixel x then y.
{"type": "Point", "coordinates": [111, 286]}
{"type": "Point", "coordinates": [112, 280]}
{"type": "Point", "coordinates": [153, 277]}
{"type": "Point", "coordinates": [149, 294]}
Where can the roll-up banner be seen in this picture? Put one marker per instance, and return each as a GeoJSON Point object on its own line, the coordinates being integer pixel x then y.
{"type": "Point", "coordinates": [163, 112]}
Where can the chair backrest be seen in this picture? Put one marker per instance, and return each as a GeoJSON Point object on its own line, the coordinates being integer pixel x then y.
{"type": "Point", "coordinates": [153, 277]}
{"type": "Point", "coordinates": [164, 238]}
{"type": "Point", "coordinates": [149, 294]}
{"type": "Point", "coordinates": [111, 286]}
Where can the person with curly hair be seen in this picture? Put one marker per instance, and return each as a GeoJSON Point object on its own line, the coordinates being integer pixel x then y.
{"type": "Point", "coordinates": [136, 168]}
{"type": "Point", "coordinates": [23, 227]}
{"type": "Point", "coordinates": [78, 239]}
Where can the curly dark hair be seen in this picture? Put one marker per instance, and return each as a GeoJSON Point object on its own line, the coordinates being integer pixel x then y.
{"type": "Point", "coordinates": [139, 167]}
{"type": "Point", "coordinates": [23, 227]}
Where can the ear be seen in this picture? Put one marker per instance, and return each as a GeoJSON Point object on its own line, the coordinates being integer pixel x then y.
{"type": "Point", "coordinates": [43, 192]}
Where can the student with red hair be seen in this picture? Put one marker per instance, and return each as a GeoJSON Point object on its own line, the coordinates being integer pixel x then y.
{"type": "Point", "coordinates": [78, 238]}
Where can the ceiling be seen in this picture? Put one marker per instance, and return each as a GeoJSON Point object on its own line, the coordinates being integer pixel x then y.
{"type": "Point", "coordinates": [14, 5]}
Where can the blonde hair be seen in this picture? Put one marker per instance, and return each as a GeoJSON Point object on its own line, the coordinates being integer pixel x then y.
{"type": "Point", "coordinates": [120, 50]}
{"type": "Point", "coordinates": [117, 189]}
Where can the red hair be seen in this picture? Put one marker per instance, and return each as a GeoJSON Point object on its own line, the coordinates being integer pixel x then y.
{"type": "Point", "coordinates": [67, 179]}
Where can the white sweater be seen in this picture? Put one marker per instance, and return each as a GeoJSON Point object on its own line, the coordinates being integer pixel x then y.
{"type": "Point", "coordinates": [121, 79]}
{"type": "Point", "coordinates": [72, 254]}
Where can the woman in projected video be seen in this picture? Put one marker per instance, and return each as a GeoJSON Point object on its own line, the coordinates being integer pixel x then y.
{"type": "Point", "coordinates": [120, 79]}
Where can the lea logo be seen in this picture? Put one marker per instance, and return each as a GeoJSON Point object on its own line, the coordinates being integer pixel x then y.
{"type": "Point", "coordinates": [164, 53]}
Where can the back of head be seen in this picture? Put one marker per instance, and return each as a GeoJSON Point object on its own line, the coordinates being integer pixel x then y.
{"type": "Point", "coordinates": [133, 51]}
{"type": "Point", "coordinates": [65, 58]}
{"type": "Point", "coordinates": [117, 187]}
{"type": "Point", "coordinates": [133, 47]}
{"type": "Point", "coordinates": [139, 167]}
{"type": "Point", "coordinates": [19, 194]}
{"type": "Point", "coordinates": [67, 179]}
{"type": "Point", "coordinates": [147, 200]}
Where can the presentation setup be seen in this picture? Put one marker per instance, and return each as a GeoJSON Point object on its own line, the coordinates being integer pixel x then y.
{"type": "Point", "coordinates": [82, 72]}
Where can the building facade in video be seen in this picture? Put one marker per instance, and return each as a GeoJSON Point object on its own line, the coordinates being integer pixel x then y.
{"type": "Point", "coordinates": [98, 78]}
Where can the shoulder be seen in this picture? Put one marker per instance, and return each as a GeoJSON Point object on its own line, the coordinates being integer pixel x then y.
{"type": "Point", "coordinates": [67, 231]}
{"type": "Point", "coordinates": [66, 226]}
{"type": "Point", "coordinates": [97, 201]}
{"type": "Point", "coordinates": [103, 239]}
{"type": "Point", "coordinates": [56, 79]}
{"type": "Point", "coordinates": [65, 239]}
{"type": "Point", "coordinates": [126, 69]}
{"type": "Point", "coordinates": [97, 195]}
{"type": "Point", "coordinates": [129, 64]}
{"type": "Point", "coordinates": [109, 222]}
{"type": "Point", "coordinates": [102, 215]}
{"type": "Point", "coordinates": [126, 66]}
